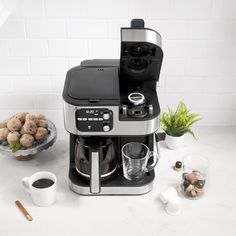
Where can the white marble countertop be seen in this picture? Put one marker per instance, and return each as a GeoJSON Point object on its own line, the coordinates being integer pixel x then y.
{"type": "Point", "coordinates": [73, 214]}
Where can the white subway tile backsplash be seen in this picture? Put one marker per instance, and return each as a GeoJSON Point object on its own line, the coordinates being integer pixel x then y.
{"type": "Point", "coordinates": [46, 28]}
{"type": "Point", "coordinates": [204, 67]}
{"type": "Point", "coordinates": [216, 117]}
{"type": "Point", "coordinates": [68, 48]}
{"type": "Point", "coordinates": [104, 48]}
{"type": "Point", "coordinates": [6, 85]}
{"type": "Point", "coordinates": [29, 9]}
{"type": "Point", "coordinates": [87, 28]}
{"type": "Point", "coordinates": [169, 99]}
{"type": "Point", "coordinates": [229, 68]}
{"type": "Point", "coordinates": [233, 32]}
{"type": "Point", "coordinates": [12, 66]}
{"type": "Point", "coordinates": [191, 9]}
{"type": "Point", "coordinates": [169, 29]}
{"type": "Point", "coordinates": [220, 49]}
{"type": "Point", "coordinates": [48, 101]}
{"type": "Point", "coordinates": [29, 85]}
{"type": "Point", "coordinates": [66, 8]}
{"type": "Point", "coordinates": [184, 85]}
{"type": "Point", "coordinates": [173, 67]}
{"type": "Point", "coordinates": [154, 9]}
{"type": "Point", "coordinates": [174, 48]}
{"type": "Point", "coordinates": [58, 84]}
{"type": "Point", "coordinates": [222, 9]}
{"type": "Point", "coordinates": [28, 47]}
{"type": "Point", "coordinates": [202, 101]}
{"type": "Point", "coordinates": [234, 118]}
{"type": "Point", "coordinates": [195, 49]}
{"type": "Point", "coordinates": [219, 30]}
{"type": "Point", "coordinates": [13, 29]}
{"type": "Point", "coordinates": [48, 66]}
{"type": "Point", "coordinates": [107, 9]}
{"type": "Point", "coordinates": [195, 102]}
{"type": "Point", "coordinates": [138, 9]}
{"type": "Point", "coordinates": [219, 85]}
{"type": "Point", "coordinates": [4, 52]}
{"type": "Point", "coordinates": [16, 101]}
{"type": "Point", "coordinates": [185, 48]}
{"type": "Point", "coordinates": [227, 102]}
{"type": "Point", "coordinates": [113, 28]}
{"type": "Point", "coordinates": [75, 61]}
{"type": "Point", "coordinates": [215, 30]}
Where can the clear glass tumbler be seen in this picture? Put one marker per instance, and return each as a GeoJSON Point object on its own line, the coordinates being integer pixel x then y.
{"type": "Point", "coordinates": [135, 157]}
{"type": "Point", "coordinates": [194, 176]}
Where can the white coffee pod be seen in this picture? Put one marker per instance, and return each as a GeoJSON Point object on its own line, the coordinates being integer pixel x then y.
{"type": "Point", "coordinates": [167, 194]}
{"type": "Point", "coordinates": [173, 207]}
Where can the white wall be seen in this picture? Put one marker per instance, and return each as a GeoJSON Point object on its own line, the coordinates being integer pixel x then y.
{"type": "Point", "coordinates": [44, 38]}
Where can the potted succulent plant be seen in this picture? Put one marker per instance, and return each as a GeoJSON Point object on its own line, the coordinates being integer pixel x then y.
{"type": "Point", "coordinates": [177, 124]}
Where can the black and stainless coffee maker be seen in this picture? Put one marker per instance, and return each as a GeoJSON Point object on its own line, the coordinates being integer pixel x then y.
{"type": "Point", "coordinates": [109, 103]}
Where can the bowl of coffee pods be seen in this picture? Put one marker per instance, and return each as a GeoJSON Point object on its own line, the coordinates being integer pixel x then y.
{"type": "Point", "coordinates": [194, 176]}
{"type": "Point", "coordinates": [24, 135]}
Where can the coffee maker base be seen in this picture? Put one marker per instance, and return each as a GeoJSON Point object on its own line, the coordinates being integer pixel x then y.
{"type": "Point", "coordinates": [137, 190]}
{"type": "Point", "coordinates": [116, 185]}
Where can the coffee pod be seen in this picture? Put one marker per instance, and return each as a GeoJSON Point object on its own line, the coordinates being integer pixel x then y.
{"type": "Point", "coordinates": [178, 166]}
{"type": "Point", "coordinates": [189, 188]}
{"type": "Point", "coordinates": [167, 194]}
{"type": "Point", "coordinates": [173, 207]}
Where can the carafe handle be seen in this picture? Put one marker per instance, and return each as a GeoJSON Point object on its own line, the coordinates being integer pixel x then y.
{"type": "Point", "coordinates": [155, 161]}
{"type": "Point", "coordinates": [95, 185]}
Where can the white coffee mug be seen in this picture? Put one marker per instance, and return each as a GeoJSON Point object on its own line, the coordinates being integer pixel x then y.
{"type": "Point", "coordinates": [41, 196]}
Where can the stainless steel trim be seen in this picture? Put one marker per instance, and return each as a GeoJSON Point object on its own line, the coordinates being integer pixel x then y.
{"type": "Point", "coordinates": [119, 127]}
{"type": "Point", "coordinates": [112, 190]}
{"type": "Point", "coordinates": [140, 35]}
{"type": "Point", "coordinates": [95, 173]}
{"type": "Point", "coordinates": [102, 176]}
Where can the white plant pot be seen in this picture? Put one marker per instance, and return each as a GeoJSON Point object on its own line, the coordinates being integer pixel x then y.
{"type": "Point", "coordinates": [174, 142]}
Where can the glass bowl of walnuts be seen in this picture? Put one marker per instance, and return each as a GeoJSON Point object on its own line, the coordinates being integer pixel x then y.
{"type": "Point", "coordinates": [24, 135]}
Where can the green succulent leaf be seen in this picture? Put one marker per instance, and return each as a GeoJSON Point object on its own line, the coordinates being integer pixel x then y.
{"type": "Point", "coordinates": [15, 147]}
{"type": "Point", "coordinates": [179, 122]}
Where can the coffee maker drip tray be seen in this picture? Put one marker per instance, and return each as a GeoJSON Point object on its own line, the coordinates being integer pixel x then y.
{"type": "Point", "coordinates": [117, 185]}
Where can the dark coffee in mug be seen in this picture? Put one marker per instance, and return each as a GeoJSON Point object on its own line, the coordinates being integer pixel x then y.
{"type": "Point", "coordinates": [43, 183]}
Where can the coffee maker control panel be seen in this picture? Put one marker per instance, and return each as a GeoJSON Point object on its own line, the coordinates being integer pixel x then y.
{"type": "Point", "coordinates": [94, 119]}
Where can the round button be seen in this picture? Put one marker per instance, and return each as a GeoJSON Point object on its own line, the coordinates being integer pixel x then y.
{"type": "Point", "coordinates": [106, 128]}
{"type": "Point", "coordinates": [106, 116]}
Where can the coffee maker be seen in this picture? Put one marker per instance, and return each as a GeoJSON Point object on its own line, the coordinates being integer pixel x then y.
{"type": "Point", "coordinates": [108, 103]}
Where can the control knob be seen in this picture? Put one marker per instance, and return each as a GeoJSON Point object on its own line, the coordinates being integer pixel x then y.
{"type": "Point", "coordinates": [106, 116]}
{"type": "Point", "coordinates": [106, 128]}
